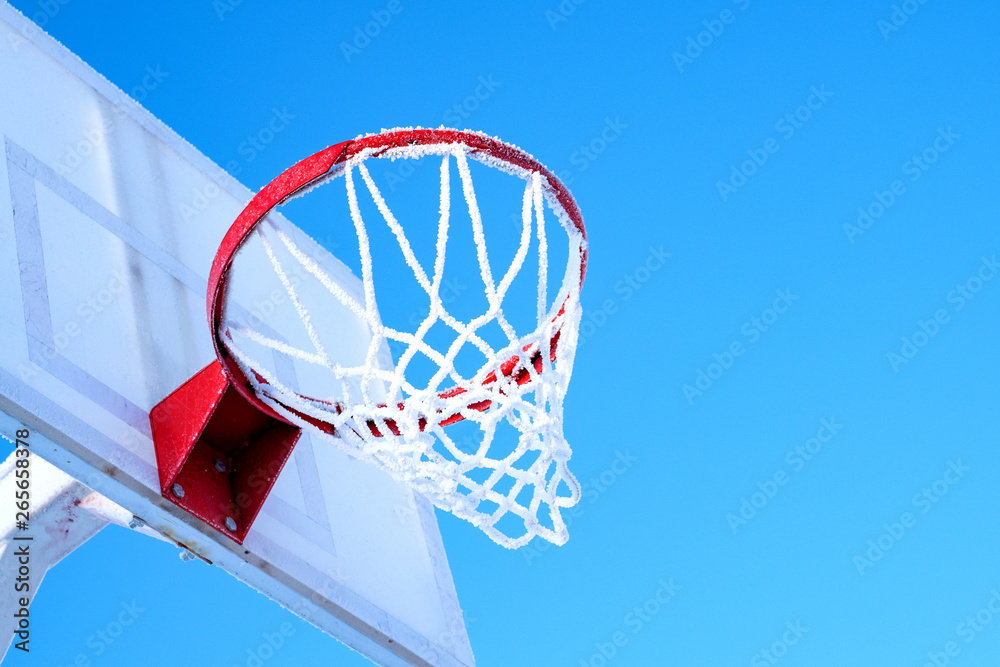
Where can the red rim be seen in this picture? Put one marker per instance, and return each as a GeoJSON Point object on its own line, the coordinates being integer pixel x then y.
{"type": "Point", "coordinates": [319, 166]}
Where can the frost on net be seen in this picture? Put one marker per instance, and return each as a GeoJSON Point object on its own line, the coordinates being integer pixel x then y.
{"type": "Point", "coordinates": [403, 429]}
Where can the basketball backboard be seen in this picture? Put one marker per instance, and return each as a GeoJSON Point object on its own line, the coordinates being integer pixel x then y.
{"type": "Point", "coordinates": [109, 222]}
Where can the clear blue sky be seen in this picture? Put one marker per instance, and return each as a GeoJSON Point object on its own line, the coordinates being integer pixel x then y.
{"type": "Point", "coordinates": [836, 103]}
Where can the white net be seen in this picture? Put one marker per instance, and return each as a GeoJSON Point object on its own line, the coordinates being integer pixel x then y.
{"type": "Point", "coordinates": [375, 412]}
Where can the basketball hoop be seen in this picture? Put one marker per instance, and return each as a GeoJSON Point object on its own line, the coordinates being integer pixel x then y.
{"type": "Point", "coordinates": [237, 417]}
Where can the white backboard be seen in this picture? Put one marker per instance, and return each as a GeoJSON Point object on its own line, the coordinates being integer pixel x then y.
{"type": "Point", "coordinates": [108, 225]}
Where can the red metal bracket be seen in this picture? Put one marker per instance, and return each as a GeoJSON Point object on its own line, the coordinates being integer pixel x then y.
{"type": "Point", "coordinates": [218, 455]}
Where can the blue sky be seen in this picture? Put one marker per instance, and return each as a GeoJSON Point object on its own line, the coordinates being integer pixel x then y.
{"type": "Point", "coordinates": [746, 137]}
